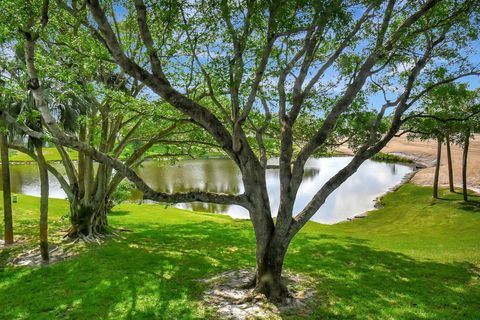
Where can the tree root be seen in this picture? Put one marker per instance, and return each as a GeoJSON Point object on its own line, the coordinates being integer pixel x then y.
{"type": "Point", "coordinates": [93, 236]}
{"type": "Point", "coordinates": [228, 296]}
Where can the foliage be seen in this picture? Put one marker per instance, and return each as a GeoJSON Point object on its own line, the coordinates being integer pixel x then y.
{"type": "Point", "coordinates": [414, 258]}
{"type": "Point", "coordinates": [253, 78]}
{"type": "Point", "coordinates": [446, 112]}
{"type": "Point", "coordinates": [121, 194]}
{"type": "Point", "coordinates": [387, 157]}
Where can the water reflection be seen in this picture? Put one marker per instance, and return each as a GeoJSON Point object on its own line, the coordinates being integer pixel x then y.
{"type": "Point", "coordinates": [355, 196]}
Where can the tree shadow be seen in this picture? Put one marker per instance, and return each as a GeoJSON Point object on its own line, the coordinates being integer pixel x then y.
{"type": "Point", "coordinates": [470, 206]}
{"type": "Point", "coordinates": [154, 272]}
{"type": "Point", "coordinates": [119, 213]}
{"type": "Point", "coordinates": [360, 282]}
{"type": "Point", "coordinates": [150, 274]}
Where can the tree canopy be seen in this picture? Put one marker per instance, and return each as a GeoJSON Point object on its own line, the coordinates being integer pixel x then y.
{"type": "Point", "coordinates": [253, 78]}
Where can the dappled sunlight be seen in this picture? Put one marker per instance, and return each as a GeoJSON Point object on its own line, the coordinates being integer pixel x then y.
{"type": "Point", "coordinates": [385, 284]}
{"type": "Point", "coordinates": [153, 270]}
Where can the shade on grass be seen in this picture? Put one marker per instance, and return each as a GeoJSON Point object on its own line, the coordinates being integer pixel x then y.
{"type": "Point", "coordinates": [415, 258]}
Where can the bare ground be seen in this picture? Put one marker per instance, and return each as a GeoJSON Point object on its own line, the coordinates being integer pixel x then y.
{"type": "Point", "coordinates": [33, 258]}
{"type": "Point", "coordinates": [425, 151]}
{"type": "Point", "coordinates": [228, 296]}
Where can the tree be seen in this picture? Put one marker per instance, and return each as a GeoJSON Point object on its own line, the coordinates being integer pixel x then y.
{"type": "Point", "coordinates": [466, 143]}
{"type": "Point", "coordinates": [437, 167]}
{"type": "Point", "coordinates": [257, 55]}
{"type": "Point", "coordinates": [105, 110]}
{"type": "Point", "coordinates": [44, 191]}
{"type": "Point", "coordinates": [447, 110]}
{"type": "Point", "coordinates": [469, 126]}
{"type": "Point", "coordinates": [450, 164]}
{"type": "Point", "coordinates": [425, 128]}
{"type": "Point", "coordinates": [7, 193]}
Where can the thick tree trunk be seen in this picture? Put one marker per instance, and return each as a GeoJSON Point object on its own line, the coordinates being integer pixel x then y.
{"type": "Point", "coordinates": [268, 274]}
{"type": "Point", "coordinates": [87, 220]}
{"type": "Point", "coordinates": [42, 166]}
{"type": "Point", "coordinates": [450, 166]}
{"type": "Point", "coordinates": [464, 165]}
{"type": "Point", "coordinates": [7, 194]}
{"type": "Point", "coordinates": [437, 168]}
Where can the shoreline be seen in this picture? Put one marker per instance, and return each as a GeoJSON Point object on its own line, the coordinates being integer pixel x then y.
{"type": "Point", "coordinates": [420, 163]}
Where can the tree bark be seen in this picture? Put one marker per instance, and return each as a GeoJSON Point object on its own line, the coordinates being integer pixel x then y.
{"type": "Point", "coordinates": [269, 265]}
{"type": "Point", "coordinates": [87, 220]}
{"type": "Point", "coordinates": [450, 166]}
{"type": "Point", "coordinates": [464, 165]}
{"type": "Point", "coordinates": [7, 194]}
{"type": "Point", "coordinates": [437, 168]}
{"type": "Point", "coordinates": [42, 167]}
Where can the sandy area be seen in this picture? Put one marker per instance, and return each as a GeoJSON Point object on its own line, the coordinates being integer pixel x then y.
{"type": "Point", "coordinates": [426, 152]}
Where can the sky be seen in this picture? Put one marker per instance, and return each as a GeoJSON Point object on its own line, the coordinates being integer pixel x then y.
{"type": "Point", "coordinates": [376, 100]}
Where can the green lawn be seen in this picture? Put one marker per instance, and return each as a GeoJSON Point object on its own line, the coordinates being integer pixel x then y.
{"type": "Point", "coordinates": [50, 153]}
{"type": "Point", "coordinates": [414, 259]}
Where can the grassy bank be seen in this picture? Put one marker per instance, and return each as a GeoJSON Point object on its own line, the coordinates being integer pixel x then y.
{"type": "Point", "coordinates": [390, 158]}
{"type": "Point", "coordinates": [413, 259]}
{"type": "Point", "coordinates": [50, 153]}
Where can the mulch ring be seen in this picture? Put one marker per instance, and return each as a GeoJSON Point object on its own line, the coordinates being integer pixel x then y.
{"type": "Point", "coordinates": [228, 296]}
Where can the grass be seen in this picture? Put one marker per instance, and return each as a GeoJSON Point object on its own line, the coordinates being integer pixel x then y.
{"type": "Point", "coordinates": [416, 258]}
{"type": "Point", "coordinates": [391, 158]}
{"type": "Point", "coordinates": [50, 153]}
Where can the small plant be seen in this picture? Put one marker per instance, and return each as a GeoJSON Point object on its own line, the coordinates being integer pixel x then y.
{"type": "Point", "coordinates": [121, 194]}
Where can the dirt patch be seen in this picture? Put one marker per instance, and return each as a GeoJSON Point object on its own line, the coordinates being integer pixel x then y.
{"type": "Point", "coordinates": [230, 298]}
{"type": "Point", "coordinates": [423, 153]}
{"type": "Point", "coordinates": [33, 258]}
{"type": "Point", "coordinates": [18, 242]}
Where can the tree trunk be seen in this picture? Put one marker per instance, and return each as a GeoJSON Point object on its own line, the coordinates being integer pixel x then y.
{"type": "Point", "coordinates": [450, 166]}
{"type": "Point", "coordinates": [268, 274]}
{"type": "Point", "coordinates": [7, 194]}
{"type": "Point", "coordinates": [87, 220]}
{"type": "Point", "coordinates": [42, 166]}
{"type": "Point", "coordinates": [437, 168]}
{"type": "Point", "coordinates": [464, 165]}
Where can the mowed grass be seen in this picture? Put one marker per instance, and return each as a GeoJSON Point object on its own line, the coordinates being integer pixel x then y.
{"type": "Point", "coordinates": [416, 258]}
{"type": "Point", "coordinates": [50, 153]}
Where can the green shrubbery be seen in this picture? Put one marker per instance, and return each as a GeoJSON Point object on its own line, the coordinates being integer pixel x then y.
{"type": "Point", "coordinates": [386, 157]}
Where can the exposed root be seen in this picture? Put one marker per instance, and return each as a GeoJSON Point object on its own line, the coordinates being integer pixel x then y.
{"type": "Point", "coordinates": [250, 284]}
{"type": "Point", "coordinates": [282, 296]}
{"type": "Point", "coordinates": [93, 236]}
{"type": "Point", "coordinates": [232, 296]}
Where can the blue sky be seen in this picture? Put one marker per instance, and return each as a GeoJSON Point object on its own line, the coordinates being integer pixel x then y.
{"type": "Point", "coordinates": [376, 100]}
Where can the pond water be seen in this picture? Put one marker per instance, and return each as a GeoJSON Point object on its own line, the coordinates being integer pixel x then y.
{"type": "Point", "coordinates": [354, 196]}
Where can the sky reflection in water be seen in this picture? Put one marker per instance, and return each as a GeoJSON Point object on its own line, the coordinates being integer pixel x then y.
{"type": "Point", "coordinates": [355, 196]}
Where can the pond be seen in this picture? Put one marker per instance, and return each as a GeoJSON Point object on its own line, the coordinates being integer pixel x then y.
{"type": "Point", "coordinates": [355, 196]}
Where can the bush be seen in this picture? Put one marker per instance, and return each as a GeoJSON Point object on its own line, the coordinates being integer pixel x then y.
{"type": "Point", "coordinates": [122, 193]}
{"type": "Point", "coordinates": [386, 157]}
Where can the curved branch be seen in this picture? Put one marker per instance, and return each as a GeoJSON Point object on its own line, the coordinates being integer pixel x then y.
{"type": "Point", "coordinates": [51, 169]}
{"type": "Point", "coordinates": [202, 116]}
{"type": "Point", "coordinates": [148, 193]}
